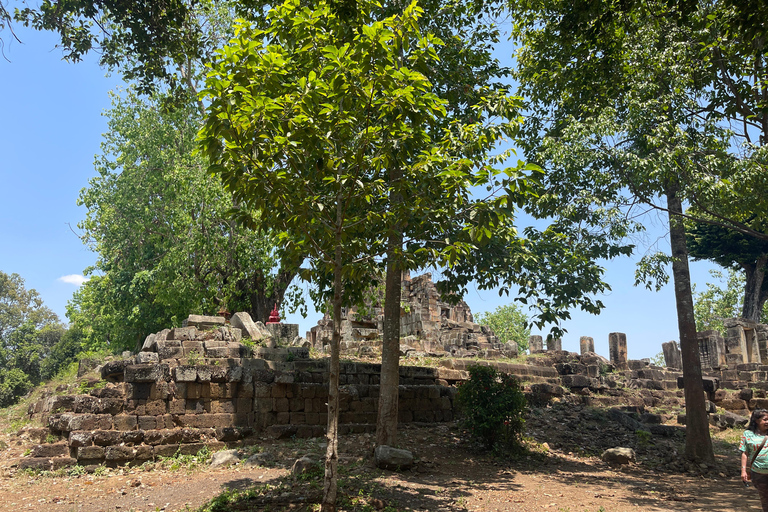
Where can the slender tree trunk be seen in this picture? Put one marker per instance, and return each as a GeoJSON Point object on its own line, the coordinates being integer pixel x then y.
{"type": "Point", "coordinates": [698, 444]}
{"type": "Point", "coordinates": [386, 423]}
{"type": "Point", "coordinates": [754, 296]}
{"type": "Point", "coordinates": [332, 453]}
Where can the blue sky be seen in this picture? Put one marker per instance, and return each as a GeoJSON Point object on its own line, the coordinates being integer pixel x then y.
{"type": "Point", "coordinates": [51, 129]}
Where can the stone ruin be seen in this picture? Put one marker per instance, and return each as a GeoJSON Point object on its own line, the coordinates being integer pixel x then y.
{"type": "Point", "coordinates": [428, 326]}
{"type": "Point", "coordinates": [209, 384]}
{"type": "Point", "coordinates": [745, 342]}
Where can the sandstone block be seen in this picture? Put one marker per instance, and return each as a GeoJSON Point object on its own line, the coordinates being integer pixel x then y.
{"type": "Point", "coordinates": [113, 371]}
{"type": "Point", "coordinates": [245, 323]}
{"type": "Point", "coordinates": [155, 408]}
{"type": "Point", "coordinates": [50, 450]}
{"type": "Point", "coordinates": [144, 452]}
{"type": "Point", "coordinates": [91, 452]}
{"type": "Point", "coordinates": [145, 372]}
{"type": "Point", "coordinates": [150, 343]}
{"type": "Point", "coordinates": [192, 347]}
{"type": "Point", "coordinates": [119, 453]}
{"type": "Point", "coordinates": [183, 333]}
{"type": "Point", "coordinates": [166, 450]}
{"type": "Point", "coordinates": [80, 439]}
{"type": "Point", "coordinates": [222, 406]}
{"type": "Point", "coordinates": [147, 422]}
{"type": "Point", "coordinates": [106, 437]}
{"type": "Point", "coordinates": [203, 321]}
{"type": "Point", "coordinates": [147, 357]}
{"type": "Point", "coordinates": [125, 422]}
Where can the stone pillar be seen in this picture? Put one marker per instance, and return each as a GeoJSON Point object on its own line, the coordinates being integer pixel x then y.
{"type": "Point", "coordinates": [586, 344]}
{"type": "Point", "coordinates": [554, 344]}
{"type": "Point", "coordinates": [535, 344]}
{"type": "Point", "coordinates": [672, 356]}
{"type": "Point", "coordinates": [617, 346]}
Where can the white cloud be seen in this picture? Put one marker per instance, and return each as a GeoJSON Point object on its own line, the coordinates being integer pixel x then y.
{"type": "Point", "coordinates": [75, 279]}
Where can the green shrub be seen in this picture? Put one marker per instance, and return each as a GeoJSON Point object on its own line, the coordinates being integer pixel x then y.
{"type": "Point", "coordinates": [493, 405]}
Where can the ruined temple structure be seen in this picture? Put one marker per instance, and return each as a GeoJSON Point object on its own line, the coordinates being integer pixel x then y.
{"type": "Point", "coordinates": [428, 325]}
{"type": "Point", "coordinates": [203, 386]}
{"type": "Point", "coordinates": [745, 342]}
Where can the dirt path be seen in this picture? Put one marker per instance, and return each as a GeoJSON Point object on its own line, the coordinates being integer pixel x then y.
{"type": "Point", "coordinates": [563, 485]}
{"type": "Point", "coordinates": [451, 475]}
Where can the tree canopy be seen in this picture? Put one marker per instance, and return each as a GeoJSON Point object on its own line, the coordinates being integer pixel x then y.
{"type": "Point", "coordinates": [159, 223]}
{"type": "Point", "coordinates": [509, 323]}
{"type": "Point", "coordinates": [29, 333]}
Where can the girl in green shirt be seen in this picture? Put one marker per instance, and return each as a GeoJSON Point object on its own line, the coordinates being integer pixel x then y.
{"type": "Point", "coordinates": [754, 454]}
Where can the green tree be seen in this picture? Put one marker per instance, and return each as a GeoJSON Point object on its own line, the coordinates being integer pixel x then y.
{"type": "Point", "coordinates": [29, 331]}
{"type": "Point", "coordinates": [307, 120]}
{"type": "Point", "coordinates": [733, 250]}
{"type": "Point", "coordinates": [721, 300]}
{"type": "Point", "coordinates": [160, 225]}
{"type": "Point", "coordinates": [509, 323]}
{"type": "Point", "coordinates": [634, 104]}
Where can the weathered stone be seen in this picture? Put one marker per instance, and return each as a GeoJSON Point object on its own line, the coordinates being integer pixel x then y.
{"type": "Point", "coordinates": [113, 371]}
{"type": "Point", "coordinates": [618, 455]}
{"type": "Point", "coordinates": [147, 357]}
{"type": "Point", "coordinates": [170, 349]}
{"type": "Point", "coordinates": [302, 465]}
{"type": "Point", "coordinates": [248, 327]}
{"type": "Point", "coordinates": [185, 373]}
{"type": "Point", "coordinates": [203, 321]}
{"type": "Point", "coordinates": [119, 453]}
{"type": "Point", "coordinates": [90, 452]}
{"type": "Point", "coordinates": [672, 356]}
{"type": "Point", "coordinates": [535, 344]}
{"type": "Point", "coordinates": [50, 450]}
{"type": "Point", "coordinates": [395, 459]}
{"type": "Point", "coordinates": [79, 439]}
{"type": "Point", "coordinates": [106, 437]}
{"type": "Point", "coordinates": [260, 459]}
{"type": "Point", "coordinates": [150, 343]}
{"type": "Point", "coordinates": [182, 333]}
{"type": "Point", "coordinates": [145, 372]}
{"type": "Point", "coordinates": [155, 437]}
{"type": "Point", "coordinates": [586, 344]}
{"type": "Point", "coordinates": [225, 458]}
{"type": "Point", "coordinates": [617, 346]}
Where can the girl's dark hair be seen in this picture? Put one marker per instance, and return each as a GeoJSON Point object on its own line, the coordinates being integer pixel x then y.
{"type": "Point", "coordinates": [756, 415]}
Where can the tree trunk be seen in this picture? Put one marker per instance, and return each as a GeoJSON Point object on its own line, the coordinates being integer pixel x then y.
{"type": "Point", "coordinates": [698, 444]}
{"type": "Point", "coordinates": [754, 295]}
{"type": "Point", "coordinates": [263, 300]}
{"type": "Point", "coordinates": [386, 422]}
{"type": "Point", "coordinates": [332, 453]}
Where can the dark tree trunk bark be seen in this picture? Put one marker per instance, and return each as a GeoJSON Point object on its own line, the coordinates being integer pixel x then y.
{"type": "Point", "coordinates": [698, 444]}
{"type": "Point", "coordinates": [754, 294]}
{"type": "Point", "coordinates": [263, 300]}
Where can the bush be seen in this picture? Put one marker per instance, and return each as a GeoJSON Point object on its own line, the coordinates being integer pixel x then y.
{"type": "Point", "coordinates": [493, 405]}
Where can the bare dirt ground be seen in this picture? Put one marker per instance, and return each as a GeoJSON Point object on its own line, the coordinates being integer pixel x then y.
{"type": "Point", "coordinates": [451, 474]}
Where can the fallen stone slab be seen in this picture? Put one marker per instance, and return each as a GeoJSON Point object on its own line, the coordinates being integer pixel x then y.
{"type": "Point", "coordinates": [394, 459]}
{"type": "Point", "coordinates": [203, 321]}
